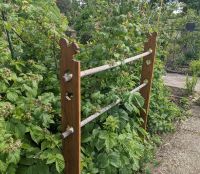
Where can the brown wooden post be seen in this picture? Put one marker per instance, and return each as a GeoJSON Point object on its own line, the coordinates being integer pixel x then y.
{"type": "Point", "coordinates": [147, 75]}
{"type": "Point", "coordinates": [70, 106]}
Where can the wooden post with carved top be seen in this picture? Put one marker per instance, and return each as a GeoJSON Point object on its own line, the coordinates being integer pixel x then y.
{"type": "Point", "coordinates": [70, 106]}
{"type": "Point", "coordinates": [147, 75]}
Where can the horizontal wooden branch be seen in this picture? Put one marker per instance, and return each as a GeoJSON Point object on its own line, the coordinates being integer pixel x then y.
{"type": "Point", "coordinates": [139, 87]}
{"type": "Point", "coordinates": [105, 109]}
{"type": "Point", "coordinates": [107, 66]}
{"type": "Point", "coordinates": [94, 116]}
{"type": "Point", "coordinates": [67, 132]}
{"type": "Point", "coordinates": [95, 70]}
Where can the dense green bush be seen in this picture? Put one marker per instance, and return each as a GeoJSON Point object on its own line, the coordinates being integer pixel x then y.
{"type": "Point", "coordinates": [29, 87]}
{"type": "Point", "coordinates": [184, 45]}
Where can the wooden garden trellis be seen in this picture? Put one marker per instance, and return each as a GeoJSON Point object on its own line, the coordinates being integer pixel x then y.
{"type": "Point", "coordinates": [71, 74]}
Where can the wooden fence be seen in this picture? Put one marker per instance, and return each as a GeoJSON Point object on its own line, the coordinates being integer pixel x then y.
{"type": "Point", "coordinates": [71, 74]}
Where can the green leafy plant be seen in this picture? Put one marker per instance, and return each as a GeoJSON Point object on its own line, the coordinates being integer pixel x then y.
{"type": "Point", "coordinates": [191, 84]}
{"type": "Point", "coordinates": [29, 86]}
{"type": "Point", "coordinates": [195, 67]}
{"type": "Point", "coordinates": [185, 103]}
{"type": "Point", "coordinates": [29, 109]}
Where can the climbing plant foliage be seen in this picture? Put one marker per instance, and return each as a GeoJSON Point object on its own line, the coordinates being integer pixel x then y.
{"type": "Point", "coordinates": [29, 86]}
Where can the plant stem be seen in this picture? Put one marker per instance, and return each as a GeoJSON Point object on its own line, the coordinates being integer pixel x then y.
{"type": "Point", "coordinates": [54, 55]}
{"type": "Point", "coordinates": [8, 36]}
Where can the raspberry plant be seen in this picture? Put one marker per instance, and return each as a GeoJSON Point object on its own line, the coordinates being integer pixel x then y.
{"type": "Point", "coordinates": [29, 86]}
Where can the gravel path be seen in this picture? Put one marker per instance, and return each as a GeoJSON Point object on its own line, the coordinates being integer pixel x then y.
{"type": "Point", "coordinates": [180, 152]}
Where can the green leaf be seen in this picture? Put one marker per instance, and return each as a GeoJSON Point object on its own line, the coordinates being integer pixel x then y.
{"type": "Point", "coordinates": [11, 169]}
{"type": "Point", "coordinates": [37, 134]}
{"type": "Point", "coordinates": [14, 157]}
{"type": "Point", "coordinates": [16, 128]}
{"type": "Point", "coordinates": [116, 55]}
{"type": "Point", "coordinates": [99, 144]}
{"type": "Point", "coordinates": [114, 159]}
{"type": "Point", "coordinates": [30, 91]}
{"type": "Point", "coordinates": [103, 161]}
{"type": "Point", "coordinates": [138, 99]}
{"type": "Point", "coordinates": [46, 119]}
{"type": "Point", "coordinates": [128, 106]}
{"type": "Point", "coordinates": [8, 26]}
{"type": "Point", "coordinates": [3, 87]}
{"type": "Point", "coordinates": [2, 167]}
{"type": "Point", "coordinates": [39, 168]}
{"type": "Point", "coordinates": [44, 145]}
{"type": "Point", "coordinates": [12, 96]}
{"type": "Point", "coordinates": [27, 161]}
{"type": "Point", "coordinates": [110, 141]}
{"type": "Point", "coordinates": [20, 130]}
{"type": "Point", "coordinates": [59, 163]}
{"type": "Point", "coordinates": [135, 109]}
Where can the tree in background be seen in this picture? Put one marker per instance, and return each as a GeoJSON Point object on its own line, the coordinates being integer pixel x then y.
{"type": "Point", "coordinates": [194, 4]}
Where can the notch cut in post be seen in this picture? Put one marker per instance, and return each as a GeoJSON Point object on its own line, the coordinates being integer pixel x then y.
{"type": "Point", "coordinates": [147, 75]}
{"type": "Point", "coordinates": [70, 106]}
